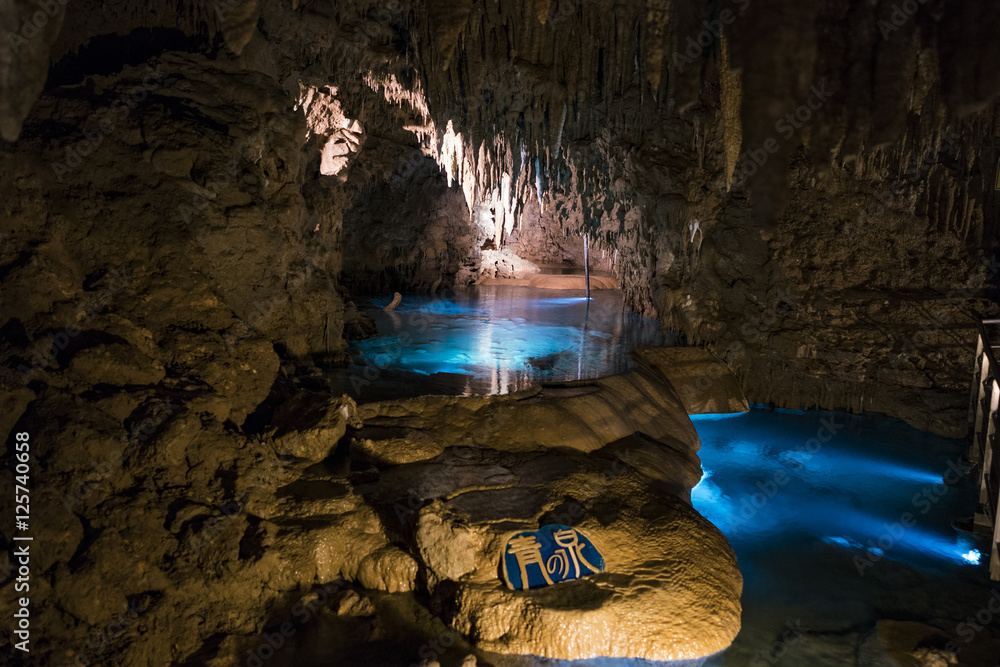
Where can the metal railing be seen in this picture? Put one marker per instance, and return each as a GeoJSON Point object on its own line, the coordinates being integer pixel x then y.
{"type": "Point", "coordinates": [985, 452]}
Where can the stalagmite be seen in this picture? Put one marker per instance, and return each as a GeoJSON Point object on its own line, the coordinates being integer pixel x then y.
{"type": "Point", "coordinates": [397, 298]}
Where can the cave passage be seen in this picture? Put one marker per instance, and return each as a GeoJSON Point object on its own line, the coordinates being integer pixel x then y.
{"type": "Point", "coordinates": [837, 520]}
{"type": "Point", "coordinates": [492, 339]}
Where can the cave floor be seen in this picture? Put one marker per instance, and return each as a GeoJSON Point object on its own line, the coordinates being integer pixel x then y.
{"type": "Point", "coordinates": [840, 521]}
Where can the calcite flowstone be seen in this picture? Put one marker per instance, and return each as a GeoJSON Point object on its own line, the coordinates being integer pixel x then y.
{"type": "Point", "coordinates": [703, 383]}
{"type": "Point", "coordinates": [670, 591]}
{"type": "Point", "coordinates": [447, 547]}
{"type": "Point", "coordinates": [308, 425]}
{"type": "Point", "coordinates": [614, 458]}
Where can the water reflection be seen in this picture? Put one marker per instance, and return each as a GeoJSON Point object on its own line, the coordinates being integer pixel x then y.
{"type": "Point", "coordinates": [492, 340]}
{"type": "Point", "coordinates": [839, 530]}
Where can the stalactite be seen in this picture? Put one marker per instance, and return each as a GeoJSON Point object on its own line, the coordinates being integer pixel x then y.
{"type": "Point", "coordinates": [578, 128]}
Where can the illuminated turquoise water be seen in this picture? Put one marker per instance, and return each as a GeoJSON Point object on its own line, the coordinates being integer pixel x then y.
{"type": "Point", "coordinates": [492, 340]}
{"type": "Point", "coordinates": [837, 521]}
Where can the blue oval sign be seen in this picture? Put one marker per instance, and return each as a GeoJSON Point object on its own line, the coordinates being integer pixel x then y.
{"type": "Point", "coordinates": [546, 556]}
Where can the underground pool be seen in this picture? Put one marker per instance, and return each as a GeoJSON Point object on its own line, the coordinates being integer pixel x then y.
{"type": "Point", "coordinates": [839, 521]}
{"type": "Point", "coordinates": [491, 339]}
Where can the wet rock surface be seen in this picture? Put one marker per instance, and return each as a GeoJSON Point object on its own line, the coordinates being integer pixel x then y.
{"type": "Point", "coordinates": [701, 381]}
{"type": "Point", "coordinates": [412, 498]}
{"type": "Point", "coordinates": [670, 589]}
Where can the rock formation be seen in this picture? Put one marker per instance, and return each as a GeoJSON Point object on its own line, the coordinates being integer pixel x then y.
{"type": "Point", "coordinates": [414, 496]}
{"type": "Point", "coordinates": [614, 458]}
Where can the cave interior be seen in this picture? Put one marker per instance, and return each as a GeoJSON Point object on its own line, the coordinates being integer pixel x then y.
{"type": "Point", "coordinates": [698, 284]}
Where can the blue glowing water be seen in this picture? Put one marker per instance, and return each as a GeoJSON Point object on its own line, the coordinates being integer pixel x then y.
{"type": "Point", "coordinates": [830, 477]}
{"type": "Point", "coordinates": [492, 340]}
{"type": "Point", "coordinates": [837, 520]}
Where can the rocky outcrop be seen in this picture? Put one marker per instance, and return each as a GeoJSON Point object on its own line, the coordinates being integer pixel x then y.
{"type": "Point", "coordinates": [411, 232]}
{"type": "Point", "coordinates": [613, 458]}
{"type": "Point", "coordinates": [669, 591]}
{"type": "Point", "coordinates": [164, 269]}
{"type": "Point", "coordinates": [702, 382]}
{"type": "Point", "coordinates": [415, 497]}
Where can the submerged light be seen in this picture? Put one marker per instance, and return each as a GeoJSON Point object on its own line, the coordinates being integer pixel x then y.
{"type": "Point", "coordinates": [972, 556]}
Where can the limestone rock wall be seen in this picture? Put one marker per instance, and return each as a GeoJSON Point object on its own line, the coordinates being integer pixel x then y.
{"type": "Point", "coordinates": [550, 233]}
{"type": "Point", "coordinates": [746, 198]}
{"type": "Point", "coordinates": [411, 232]}
{"type": "Point", "coordinates": [161, 256]}
{"type": "Point", "coordinates": [615, 458]}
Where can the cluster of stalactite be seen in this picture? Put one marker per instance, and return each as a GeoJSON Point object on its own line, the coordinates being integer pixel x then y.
{"type": "Point", "coordinates": [676, 108]}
